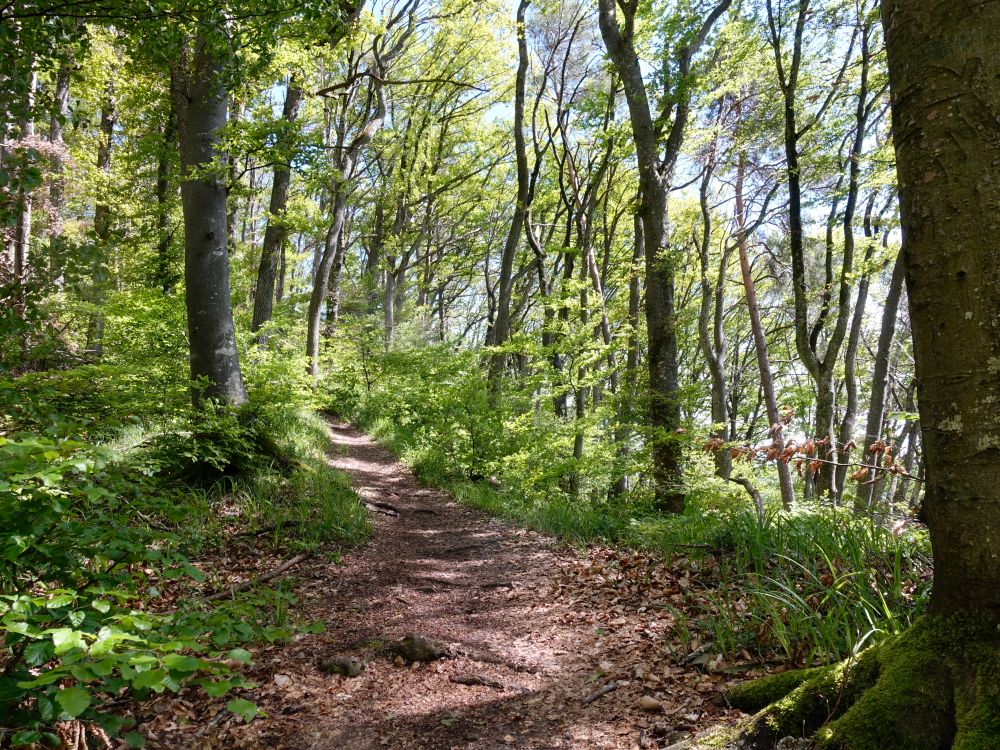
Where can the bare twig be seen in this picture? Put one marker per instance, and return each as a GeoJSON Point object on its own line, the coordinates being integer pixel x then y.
{"type": "Point", "coordinates": [601, 691]}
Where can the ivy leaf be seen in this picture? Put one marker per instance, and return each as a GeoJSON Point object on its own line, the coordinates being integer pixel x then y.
{"type": "Point", "coordinates": [73, 701]}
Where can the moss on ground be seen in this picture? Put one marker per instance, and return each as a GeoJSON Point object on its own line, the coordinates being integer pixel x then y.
{"type": "Point", "coordinates": [934, 687]}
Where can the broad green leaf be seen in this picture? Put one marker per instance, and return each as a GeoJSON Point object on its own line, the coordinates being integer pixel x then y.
{"type": "Point", "coordinates": [245, 709]}
{"type": "Point", "coordinates": [73, 701]}
{"type": "Point", "coordinates": [66, 639]}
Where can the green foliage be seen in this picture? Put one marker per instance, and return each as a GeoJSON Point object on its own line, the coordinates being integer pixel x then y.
{"type": "Point", "coordinates": [75, 566]}
{"type": "Point", "coordinates": [90, 536]}
{"type": "Point", "coordinates": [810, 585]}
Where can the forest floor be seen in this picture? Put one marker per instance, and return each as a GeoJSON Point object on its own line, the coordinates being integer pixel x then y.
{"type": "Point", "coordinates": [533, 631]}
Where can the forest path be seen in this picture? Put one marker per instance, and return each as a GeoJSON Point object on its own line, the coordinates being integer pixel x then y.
{"type": "Point", "coordinates": [534, 622]}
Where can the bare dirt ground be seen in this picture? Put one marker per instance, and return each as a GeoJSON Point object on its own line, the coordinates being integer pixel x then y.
{"type": "Point", "coordinates": [535, 627]}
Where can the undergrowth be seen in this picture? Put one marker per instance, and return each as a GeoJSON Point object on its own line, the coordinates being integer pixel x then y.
{"type": "Point", "coordinates": [106, 499]}
{"type": "Point", "coordinates": [808, 586]}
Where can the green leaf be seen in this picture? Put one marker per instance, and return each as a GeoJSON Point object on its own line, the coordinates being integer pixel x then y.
{"type": "Point", "coordinates": [28, 737]}
{"type": "Point", "coordinates": [179, 663]}
{"type": "Point", "coordinates": [217, 689]}
{"type": "Point", "coordinates": [37, 653]}
{"type": "Point", "coordinates": [241, 655]}
{"type": "Point", "coordinates": [246, 710]}
{"type": "Point", "coordinates": [59, 600]}
{"type": "Point", "coordinates": [73, 701]}
{"type": "Point", "coordinates": [67, 639]}
{"type": "Point", "coordinates": [134, 739]}
{"type": "Point", "coordinates": [153, 679]}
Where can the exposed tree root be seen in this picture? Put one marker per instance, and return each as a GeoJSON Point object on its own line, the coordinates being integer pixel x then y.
{"type": "Point", "coordinates": [934, 687]}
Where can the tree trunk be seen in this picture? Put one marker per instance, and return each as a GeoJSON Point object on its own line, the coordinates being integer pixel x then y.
{"type": "Point", "coordinates": [655, 178]}
{"type": "Point", "coordinates": [274, 235]}
{"type": "Point", "coordinates": [201, 102]}
{"type": "Point", "coordinates": [22, 228]}
{"type": "Point", "coordinates": [165, 277]}
{"type": "Point", "coordinates": [500, 331]}
{"type": "Point", "coordinates": [880, 377]}
{"type": "Point", "coordinates": [102, 227]}
{"type": "Point", "coordinates": [760, 340]}
{"type": "Point", "coordinates": [57, 185]}
{"type": "Point", "coordinates": [328, 258]}
{"type": "Point", "coordinates": [627, 397]}
{"type": "Point", "coordinates": [945, 79]}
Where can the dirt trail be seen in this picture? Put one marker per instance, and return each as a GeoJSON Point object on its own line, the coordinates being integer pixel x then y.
{"type": "Point", "coordinates": [519, 612]}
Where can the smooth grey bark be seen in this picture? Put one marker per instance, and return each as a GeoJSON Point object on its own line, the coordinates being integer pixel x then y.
{"type": "Point", "coordinates": [201, 106]}
{"type": "Point", "coordinates": [274, 235]}
{"type": "Point", "coordinates": [944, 75]}
{"type": "Point", "coordinates": [658, 142]}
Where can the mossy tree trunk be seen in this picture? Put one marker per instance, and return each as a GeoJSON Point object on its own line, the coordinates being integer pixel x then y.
{"type": "Point", "coordinates": [937, 685]}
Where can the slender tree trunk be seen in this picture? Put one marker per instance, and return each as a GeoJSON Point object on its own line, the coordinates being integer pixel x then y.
{"type": "Point", "coordinates": [102, 227]}
{"type": "Point", "coordinates": [201, 103]}
{"type": "Point", "coordinates": [165, 277]}
{"type": "Point", "coordinates": [321, 280]}
{"type": "Point", "coordinates": [626, 401]}
{"type": "Point", "coordinates": [57, 185]}
{"type": "Point", "coordinates": [880, 377]}
{"type": "Point", "coordinates": [505, 283]}
{"type": "Point", "coordinates": [274, 235]}
{"type": "Point", "coordinates": [711, 333]}
{"type": "Point", "coordinates": [22, 227]}
{"type": "Point", "coordinates": [760, 342]}
{"type": "Point", "coordinates": [945, 79]}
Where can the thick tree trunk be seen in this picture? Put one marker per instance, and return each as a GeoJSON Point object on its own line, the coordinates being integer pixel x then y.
{"type": "Point", "coordinates": [946, 104]}
{"type": "Point", "coordinates": [201, 102]}
{"type": "Point", "coordinates": [274, 235]}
